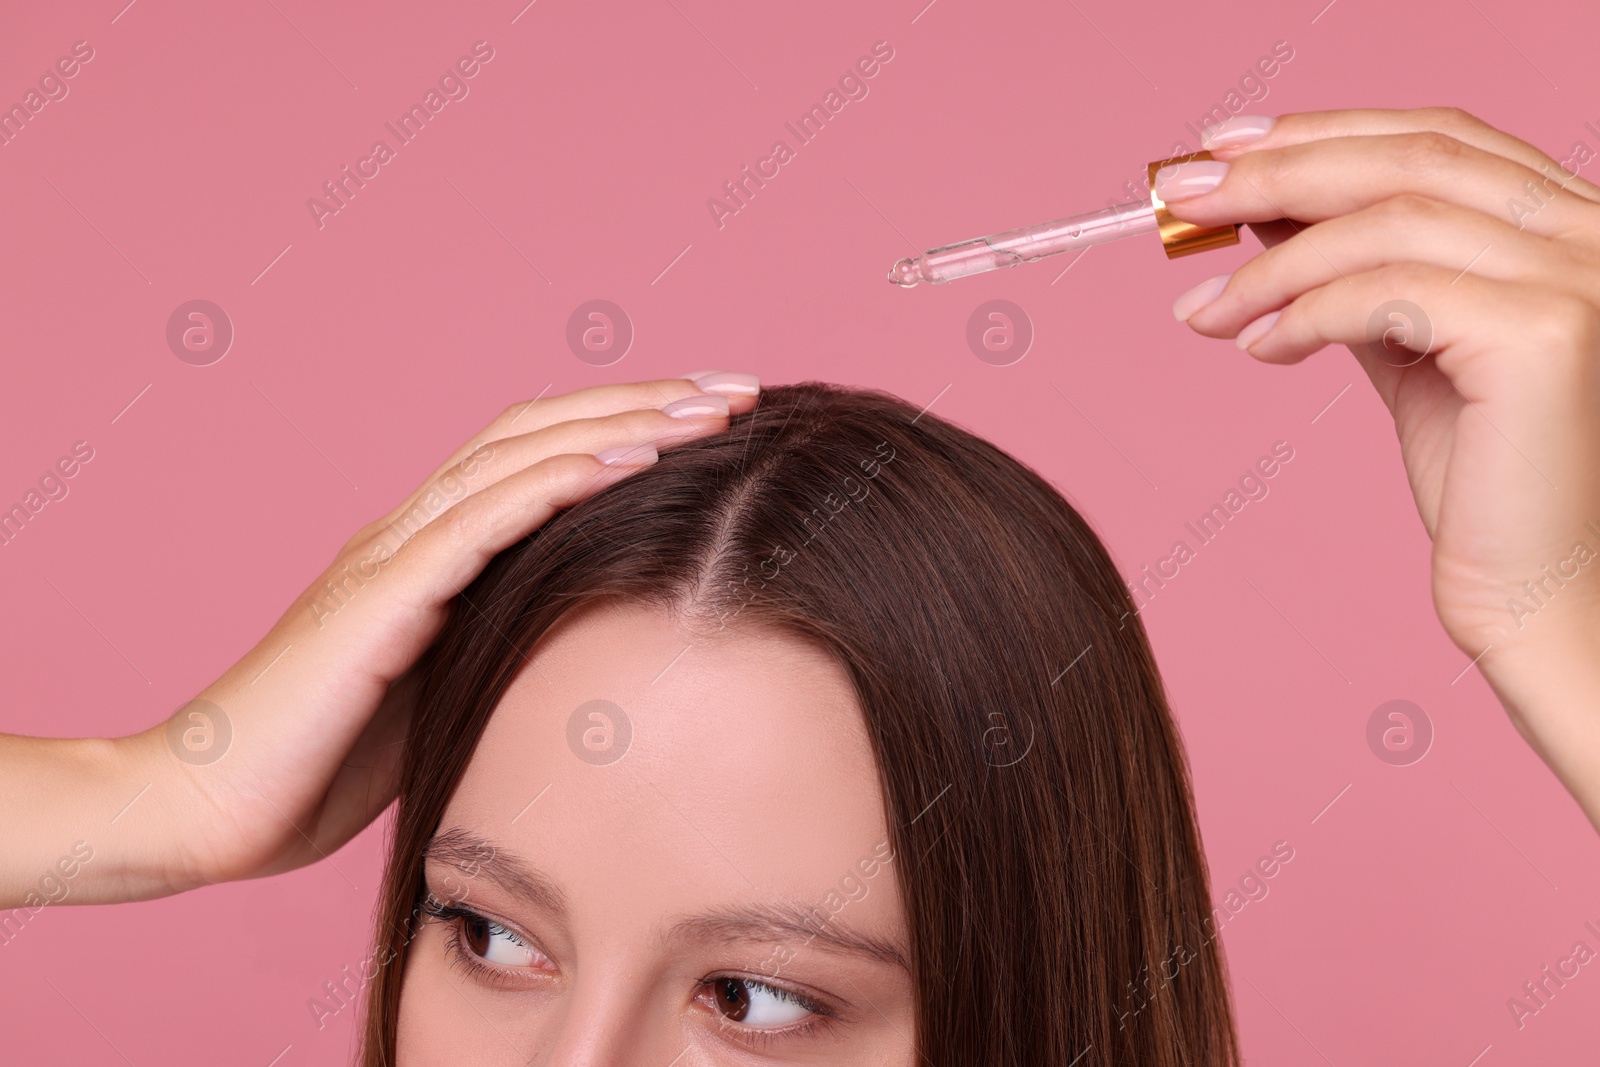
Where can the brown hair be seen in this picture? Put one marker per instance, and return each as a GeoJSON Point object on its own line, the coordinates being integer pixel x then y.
{"type": "Point", "coordinates": [1035, 788]}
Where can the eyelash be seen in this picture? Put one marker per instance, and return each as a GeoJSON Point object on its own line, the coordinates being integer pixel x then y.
{"type": "Point", "coordinates": [453, 916]}
{"type": "Point", "coordinates": [820, 1018]}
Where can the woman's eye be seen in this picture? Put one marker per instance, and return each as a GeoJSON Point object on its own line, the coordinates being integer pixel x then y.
{"type": "Point", "coordinates": [494, 943]}
{"type": "Point", "coordinates": [757, 1005]}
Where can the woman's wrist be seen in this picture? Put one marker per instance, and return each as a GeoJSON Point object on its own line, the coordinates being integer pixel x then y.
{"type": "Point", "coordinates": [1550, 688]}
{"type": "Point", "coordinates": [122, 818]}
{"type": "Point", "coordinates": [170, 844]}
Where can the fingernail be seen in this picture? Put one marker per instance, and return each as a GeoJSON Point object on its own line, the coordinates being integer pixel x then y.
{"type": "Point", "coordinates": [628, 456]}
{"type": "Point", "coordinates": [1198, 297]}
{"type": "Point", "coordinates": [726, 381]}
{"type": "Point", "coordinates": [1239, 130]}
{"type": "Point", "coordinates": [697, 407]}
{"type": "Point", "coordinates": [1181, 181]}
{"type": "Point", "coordinates": [1257, 329]}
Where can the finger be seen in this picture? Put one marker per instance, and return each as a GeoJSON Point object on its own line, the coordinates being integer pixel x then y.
{"type": "Point", "coordinates": [541, 412]}
{"type": "Point", "coordinates": [686, 418]}
{"type": "Point", "coordinates": [1319, 180]}
{"type": "Point", "coordinates": [740, 389]}
{"type": "Point", "coordinates": [1482, 333]}
{"type": "Point", "coordinates": [593, 402]}
{"type": "Point", "coordinates": [1504, 388]}
{"type": "Point", "coordinates": [526, 416]}
{"type": "Point", "coordinates": [444, 556]}
{"type": "Point", "coordinates": [1223, 139]}
{"type": "Point", "coordinates": [1406, 228]}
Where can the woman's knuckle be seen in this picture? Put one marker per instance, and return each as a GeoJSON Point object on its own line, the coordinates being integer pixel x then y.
{"type": "Point", "coordinates": [550, 476]}
{"type": "Point", "coordinates": [1571, 322]}
{"type": "Point", "coordinates": [627, 419]}
{"type": "Point", "coordinates": [1449, 119]}
{"type": "Point", "coordinates": [1410, 205]}
{"type": "Point", "coordinates": [1405, 278]}
{"type": "Point", "coordinates": [1407, 211]}
{"type": "Point", "coordinates": [1267, 170]}
{"type": "Point", "coordinates": [518, 417]}
{"type": "Point", "coordinates": [453, 529]}
{"type": "Point", "coordinates": [1427, 150]}
{"type": "Point", "coordinates": [496, 427]}
{"type": "Point", "coordinates": [561, 472]}
{"type": "Point", "coordinates": [357, 539]}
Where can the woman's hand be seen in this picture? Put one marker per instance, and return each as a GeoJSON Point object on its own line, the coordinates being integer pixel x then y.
{"type": "Point", "coordinates": [1462, 268]}
{"type": "Point", "coordinates": [295, 749]}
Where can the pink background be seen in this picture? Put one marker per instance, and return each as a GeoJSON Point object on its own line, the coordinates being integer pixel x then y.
{"type": "Point", "coordinates": [579, 167]}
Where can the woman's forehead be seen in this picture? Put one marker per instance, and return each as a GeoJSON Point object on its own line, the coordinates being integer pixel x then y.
{"type": "Point", "coordinates": [720, 762]}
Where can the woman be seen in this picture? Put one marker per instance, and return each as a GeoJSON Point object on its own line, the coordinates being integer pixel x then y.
{"type": "Point", "coordinates": [674, 785]}
{"type": "Point", "coordinates": [822, 683]}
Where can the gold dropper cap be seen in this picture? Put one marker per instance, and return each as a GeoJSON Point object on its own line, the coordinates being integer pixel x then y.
{"type": "Point", "coordinates": [1181, 238]}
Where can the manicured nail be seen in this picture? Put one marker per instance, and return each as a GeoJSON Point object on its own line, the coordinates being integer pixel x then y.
{"type": "Point", "coordinates": [1180, 181]}
{"type": "Point", "coordinates": [1257, 329]}
{"type": "Point", "coordinates": [1239, 130]}
{"type": "Point", "coordinates": [628, 456]}
{"type": "Point", "coordinates": [697, 407]}
{"type": "Point", "coordinates": [726, 381]}
{"type": "Point", "coordinates": [1198, 297]}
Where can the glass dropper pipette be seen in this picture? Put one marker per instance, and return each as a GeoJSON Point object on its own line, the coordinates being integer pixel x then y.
{"type": "Point", "coordinates": [1014, 247]}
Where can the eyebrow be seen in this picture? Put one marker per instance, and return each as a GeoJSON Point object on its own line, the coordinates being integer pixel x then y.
{"type": "Point", "coordinates": [760, 922]}
{"type": "Point", "coordinates": [476, 857]}
{"type": "Point", "coordinates": [480, 858]}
